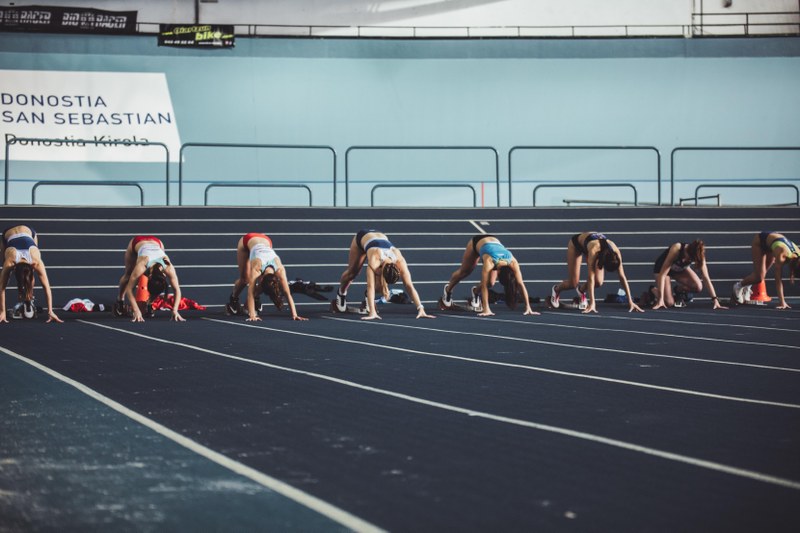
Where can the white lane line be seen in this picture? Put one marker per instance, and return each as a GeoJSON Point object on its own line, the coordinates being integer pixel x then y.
{"type": "Point", "coordinates": [307, 500]}
{"type": "Point", "coordinates": [405, 248]}
{"type": "Point", "coordinates": [565, 234]}
{"type": "Point", "coordinates": [702, 463]}
{"type": "Point", "coordinates": [477, 226]}
{"type": "Point", "coordinates": [518, 365]}
{"type": "Point", "coordinates": [634, 332]}
{"type": "Point", "coordinates": [204, 209]}
{"type": "Point", "coordinates": [771, 316]}
{"type": "Point", "coordinates": [599, 349]}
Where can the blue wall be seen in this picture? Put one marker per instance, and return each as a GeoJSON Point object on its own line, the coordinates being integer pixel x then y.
{"type": "Point", "coordinates": [662, 93]}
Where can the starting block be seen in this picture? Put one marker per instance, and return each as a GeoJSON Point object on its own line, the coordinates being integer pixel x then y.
{"type": "Point", "coordinates": [454, 307]}
{"type": "Point", "coordinates": [25, 310]}
{"type": "Point", "coordinates": [755, 295]}
{"type": "Point", "coordinates": [351, 309]}
{"type": "Point", "coordinates": [575, 303]}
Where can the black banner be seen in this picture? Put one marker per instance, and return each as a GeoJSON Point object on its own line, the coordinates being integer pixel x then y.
{"type": "Point", "coordinates": [55, 19]}
{"type": "Point", "coordinates": [196, 36]}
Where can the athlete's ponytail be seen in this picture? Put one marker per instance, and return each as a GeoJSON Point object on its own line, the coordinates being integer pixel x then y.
{"type": "Point", "coordinates": [697, 251]}
{"type": "Point", "coordinates": [607, 258]}
{"type": "Point", "coordinates": [271, 286]}
{"type": "Point", "coordinates": [24, 274]}
{"type": "Point", "coordinates": [156, 280]}
{"type": "Point", "coordinates": [794, 268]}
{"type": "Point", "coordinates": [391, 274]}
{"type": "Point", "coordinates": [505, 276]}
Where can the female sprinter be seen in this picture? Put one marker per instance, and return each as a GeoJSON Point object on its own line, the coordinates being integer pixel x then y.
{"type": "Point", "coordinates": [145, 255]}
{"type": "Point", "coordinates": [261, 270]}
{"type": "Point", "coordinates": [676, 262]}
{"type": "Point", "coordinates": [385, 265]}
{"type": "Point", "coordinates": [498, 264]}
{"type": "Point", "coordinates": [601, 255]}
{"type": "Point", "coordinates": [20, 248]}
{"type": "Point", "coordinates": [769, 247]}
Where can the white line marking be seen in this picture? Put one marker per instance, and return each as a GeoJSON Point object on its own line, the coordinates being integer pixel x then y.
{"type": "Point", "coordinates": [718, 467]}
{"type": "Point", "coordinates": [405, 248]}
{"type": "Point", "coordinates": [609, 350]}
{"type": "Point", "coordinates": [682, 322]}
{"type": "Point", "coordinates": [529, 367]}
{"type": "Point", "coordinates": [565, 234]}
{"type": "Point", "coordinates": [592, 220]}
{"type": "Point", "coordinates": [634, 332]}
{"type": "Point", "coordinates": [480, 229]}
{"type": "Point", "coordinates": [307, 500]}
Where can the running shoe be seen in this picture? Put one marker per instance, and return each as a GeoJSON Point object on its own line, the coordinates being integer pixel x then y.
{"type": "Point", "coordinates": [447, 296]}
{"type": "Point", "coordinates": [16, 313]}
{"type": "Point", "coordinates": [118, 309]}
{"type": "Point", "coordinates": [29, 309]}
{"type": "Point", "coordinates": [554, 297]}
{"type": "Point", "coordinates": [232, 307]}
{"type": "Point", "coordinates": [738, 295]}
{"type": "Point", "coordinates": [681, 298]}
{"type": "Point", "coordinates": [475, 303]}
{"type": "Point", "coordinates": [582, 302]}
{"type": "Point", "coordinates": [340, 302]}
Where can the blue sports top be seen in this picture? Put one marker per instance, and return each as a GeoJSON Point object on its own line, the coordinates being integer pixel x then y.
{"type": "Point", "coordinates": [496, 251]}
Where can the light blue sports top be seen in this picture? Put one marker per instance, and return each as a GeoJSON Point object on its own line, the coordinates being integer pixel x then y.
{"type": "Point", "coordinates": [496, 251]}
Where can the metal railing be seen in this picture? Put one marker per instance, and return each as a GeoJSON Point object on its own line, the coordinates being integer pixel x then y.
{"type": "Point", "coordinates": [696, 199]}
{"type": "Point", "coordinates": [699, 25]}
{"type": "Point", "coordinates": [422, 148]}
{"type": "Point", "coordinates": [746, 186]}
{"type": "Point", "coordinates": [559, 147]}
{"type": "Point", "coordinates": [429, 185]}
{"type": "Point", "coordinates": [245, 145]}
{"type": "Point", "coordinates": [680, 149]}
{"type": "Point", "coordinates": [746, 24]}
{"type": "Point", "coordinates": [258, 185]}
{"type": "Point", "coordinates": [88, 184]}
{"type": "Point", "coordinates": [584, 185]}
{"type": "Point", "coordinates": [45, 142]}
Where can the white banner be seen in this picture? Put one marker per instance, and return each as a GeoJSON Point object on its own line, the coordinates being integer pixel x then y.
{"type": "Point", "coordinates": [86, 116]}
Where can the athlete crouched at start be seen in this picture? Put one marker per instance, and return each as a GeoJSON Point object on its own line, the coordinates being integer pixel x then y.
{"type": "Point", "coordinates": [676, 263]}
{"type": "Point", "coordinates": [498, 265]}
{"type": "Point", "coordinates": [385, 266]}
{"type": "Point", "coordinates": [601, 255]}
{"type": "Point", "coordinates": [768, 248]}
{"type": "Point", "coordinates": [20, 249]}
{"type": "Point", "coordinates": [145, 256]}
{"type": "Point", "coordinates": [260, 270]}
